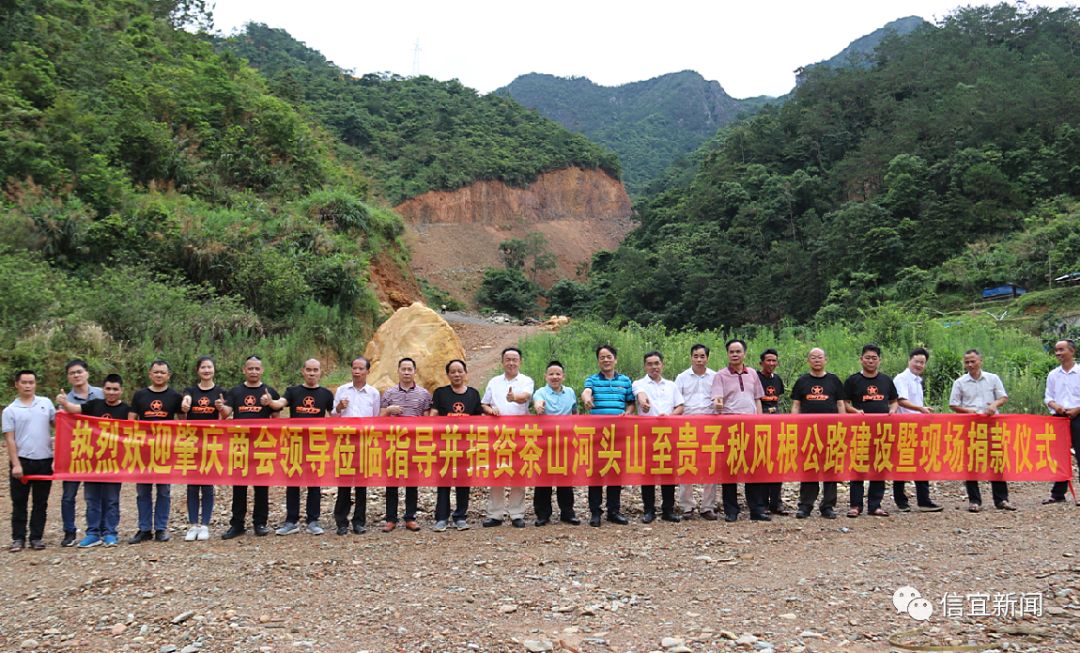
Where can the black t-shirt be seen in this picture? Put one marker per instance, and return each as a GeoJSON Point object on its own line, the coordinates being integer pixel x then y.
{"type": "Point", "coordinates": [202, 402]}
{"type": "Point", "coordinates": [156, 406]}
{"type": "Point", "coordinates": [98, 408]}
{"type": "Point", "coordinates": [818, 395]}
{"type": "Point", "coordinates": [452, 404]}
{"type": "Point", "coordinates": [870, 395]}
{"type": "Point", "coordinates": [246, 402]}
{"type": "Point", "coordinates": [774, 389]}
{"type": "Point", "coordinates": [308, 402]}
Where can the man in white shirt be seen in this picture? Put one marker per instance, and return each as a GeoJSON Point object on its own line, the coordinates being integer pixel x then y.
{"type": "Point", "coordinates": [356, 399]}
{"type": "Point", "coordinates": [507, 394]}
{"type": "Point", "coordinates": [27, 425]}
{"type": "Point", "coordinates": [1063, 399]}
{"type": "Point", "coordinates": [979, 392]}
{"type": "Point", "coordinates": [657, 396]}
{"type": "Point", "coordinates": [695, 385]}
{"type": "Point", "coordinates": [909, 388]}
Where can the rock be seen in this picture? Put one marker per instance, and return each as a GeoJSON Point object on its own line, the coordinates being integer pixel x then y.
{"type": "Point", "coordinates": [191, 648]}
{"type": "Point", "coordinates": [671, 642]}
{"type": "Point", "coordinates": [29, 644]}
{"type": "Point", "coordinates": [264, 618]}
{"type": "Point", "coordinates": [507, 608]}
{"type": "Point", "coordinates": [762, 645]}
{"type": "Point", "coordinates": [118, 629]}
{"type": "Point", "coordinates": [811, 634]}
{"type": "Point", "coordinates": [746, 639]}
{"type": "Point", "coordinates": [1054, 610]}
{"type": "Point", "coordinates": [419, 333]}
{"type": "Point", "coordinates": [168, 648]}
{"type": "Point", "coordinates": [538, 645]}
{"type": "Point", "coordinates": [183, 616]}
{"type": "Point", "coordinates": [682, 648]}
{"type": "Point", "coordinates": [727, 634]}
{"type": "Point", "coordinates": [790, 616]}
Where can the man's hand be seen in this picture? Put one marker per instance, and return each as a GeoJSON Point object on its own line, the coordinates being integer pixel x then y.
{"type": "Point", "coordinates": [266, 398]}
{"type": "Point", "coordinates": [342, 405]}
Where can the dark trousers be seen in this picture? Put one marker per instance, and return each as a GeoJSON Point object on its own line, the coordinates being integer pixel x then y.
{"type": "Point", "coordinates": [667, 498]}
{"type": "Point", "coordinates": [412, 497]}
{"type": "Point", "coordinates": [21, 494]}
{"type": "Point", "coordinates": [313, 505]}
{"type": "Point", "coordinates": [102, 508]}
{"type": "Point", "coordinates": [757, 496]}
{"type": "Point", "coordinates": [542, 502]}
{"type": "Point", "coordinates": [442, 503]}
{"type": "Point", "coordinates": [614, 499]}
{"type": "Point", "coordinates": [808, 494]}
{"type": "Point", "coordinates": [1059, 488]}
{"type": "Point", "coordinates": [922, 493]}
{"type": "Point", "coordinates": [999, 490]}
{"type": "Point", "coordinates": [873, 497]}
{"type": "Point", "coordinates": [774, 491]}
{"type": "Point", "coordinates": [200, 504]}
{"type": "Point", "coordinates": [344, 502]}
{"type": "Point", "coordinates": [260, 508]}
{"type": "Point", "coordinates": [67, 505]}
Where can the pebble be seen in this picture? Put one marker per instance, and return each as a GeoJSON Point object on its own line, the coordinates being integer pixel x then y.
{"type": "Point", "coordinates": [168, 648]}
{"type": "Point", "coordinates": [745, 639]}
{"type": "Point", "coordinates": [809, 633]}
{"type": "Point", "coordinates": [762, 645]}
{"type": "Point", "coordinates": [508, 608]}
{"type": "Point", "coordinates": [1054, 610]}
{"type": "Point", "coordinates": [683, 648]}
{"type": "Point", "coordinates": [790, 616]}
{"type": "Point", "coordinates": [671, 642]}
{"type": "Point", "coordinates": [118, 629]}
{"type": "Point", "coordinates": [727, 634]}
{"type": "Point", "coordinates": [183, 616]}
{"type": "Point", "coordinates": [30, 644]}
{"type": "Point", "coordinates": [538, 645]}
{"type": "Point", "coordinates": [191, 648]}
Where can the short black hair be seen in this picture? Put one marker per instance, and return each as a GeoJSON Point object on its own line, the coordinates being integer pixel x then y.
{"type": "Point", "coordinates": [464, 367]}
{"type": "Point", "coordinates": [556, 364]}
{"type": "Point", "coordinates": [406, 359]}
{"type": "Point", "coordinates": [1070, 342]}
{"type": "Point", "coordinates": [160, 361]}
{"type": "Point", "coordinates": [76, 362]}
{"type": "Point", "coordinates": [651, 354]}
{"type": "Point", "coordinates": [698, 346]}
{"type": "Point", "coordinates": [503, 354]}
{"type": "Point", "coordinates": [18, 375]}
{"type": "Point", "coordinates": [871, 347]}
{"type": "Point", "coordinates": [367, 363]}
{"type": "Point", "coordinates": [768, 351]}
{"type": "Point", "coordinates": [113, 378]}
{"type": "Point", "coordinates": [729, 343]}
{"type": "Point", "coordinates": [610, 348]}
{"type": "Point", "coordinates": [973, 351]}
{"type": "Point", "coordinates": [919, 351]}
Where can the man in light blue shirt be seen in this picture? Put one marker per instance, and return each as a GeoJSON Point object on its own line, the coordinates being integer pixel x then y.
{"type": "Point", "coordinates": [554, 399]}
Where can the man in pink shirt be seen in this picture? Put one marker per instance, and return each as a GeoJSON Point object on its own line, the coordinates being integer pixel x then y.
{"type": "Point", "coordinates": [736, 390]}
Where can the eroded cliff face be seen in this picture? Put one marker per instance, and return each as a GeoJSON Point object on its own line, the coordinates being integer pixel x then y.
{"type": "Point", "coordinates": [567, 194]}
{"type": "Point", "coordinates": [454, 235]}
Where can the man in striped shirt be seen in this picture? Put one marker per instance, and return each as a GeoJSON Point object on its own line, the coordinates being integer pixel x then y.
{"type": "Point", "coordinates": [607, 393]}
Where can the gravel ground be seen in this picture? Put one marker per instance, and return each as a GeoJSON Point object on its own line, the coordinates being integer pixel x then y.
{"type": "Point", "coordinates": [789, 585]}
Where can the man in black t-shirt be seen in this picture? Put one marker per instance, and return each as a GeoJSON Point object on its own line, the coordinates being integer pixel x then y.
{"type": "Point", "coordinates": [307, 401]}
{"type": "Point", "coordinates": [869, 391]}
{"type": "Point", "coordinates": [455, 400]}
{"type": "Point", "coordinates": [252, 399]}
{"type": "Point", "coordinates": [818, 392]}
{"type": "Point", "coordinates": [155, 403]}
{"type": "Point", "coordinates": [773, 386]}
{"type": "Point", "coordinates": [102, 499]}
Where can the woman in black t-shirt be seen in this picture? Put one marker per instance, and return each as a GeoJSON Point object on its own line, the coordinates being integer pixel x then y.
{"type": "Point", "coordinates": [203, 401]}
{"type": "Point", "coordinates": [454, 400]}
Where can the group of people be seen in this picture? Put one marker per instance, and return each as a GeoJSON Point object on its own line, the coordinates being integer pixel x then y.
{"type": "Point", "coordinates": [735, 388]}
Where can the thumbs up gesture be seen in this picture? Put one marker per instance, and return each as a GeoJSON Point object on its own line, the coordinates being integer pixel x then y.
{"type": "Point", "coordinates": [342, 405]}
{"type": "Point", "coordinates": [510, 394]}
{"type": "Point", "coordinates": [219, 403]}
{"type": "Point", "coordinates": [61, 400]}
{"type": "Point", "coordinates": [266, 398]}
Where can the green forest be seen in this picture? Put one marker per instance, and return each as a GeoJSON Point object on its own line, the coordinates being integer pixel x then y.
{"type": "Point", "coordinates": [161, 197]}
{"type": "Point", "coordinates": [416, 134]}
{"type": "Point", "coordinates": [950, 164]}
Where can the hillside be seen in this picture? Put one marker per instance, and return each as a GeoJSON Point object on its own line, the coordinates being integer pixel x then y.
{"type": "Point", "coordinates": [648, 124]}
{"type": "Point", "coordinates": [860, 52]}
{"type": "Point", "coordinates": [947, 165]}
{"type": "Point", "coordinates": [414, 135]}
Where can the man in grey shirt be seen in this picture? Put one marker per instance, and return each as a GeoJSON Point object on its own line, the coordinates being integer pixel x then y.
{"type": "Point", "coordinates": [27, 425]}
{"type": "Point", "coordinates": [78, 376]}
{"type": "Point", "coordinates": [982, 393]}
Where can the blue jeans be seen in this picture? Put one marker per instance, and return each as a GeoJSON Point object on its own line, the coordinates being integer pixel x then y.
{"type": "Point", "coordinates": [67, 505]}
{"type": "Point", "coordinates": [102, 508]}
{"type": "Point", "coordinates": [194, 502]}
{"type": "Point", "coordinates": [148, 510]}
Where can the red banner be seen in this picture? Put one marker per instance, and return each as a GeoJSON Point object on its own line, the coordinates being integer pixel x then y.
{"type": "Point", "coordinates": [573, 450]}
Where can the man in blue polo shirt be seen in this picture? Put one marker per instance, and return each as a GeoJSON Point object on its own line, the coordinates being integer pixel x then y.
{"type": "Point", "coordinates": [607, 393]}
{"type": "Point", "coordinates": [554, 399]}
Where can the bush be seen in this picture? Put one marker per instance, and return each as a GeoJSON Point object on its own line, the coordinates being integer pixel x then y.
{"type": "Point", "coordinates": [508, 291]}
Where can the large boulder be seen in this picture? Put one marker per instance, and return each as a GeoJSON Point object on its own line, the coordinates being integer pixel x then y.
{"type": "Point", "coordinates": [415, 332]}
